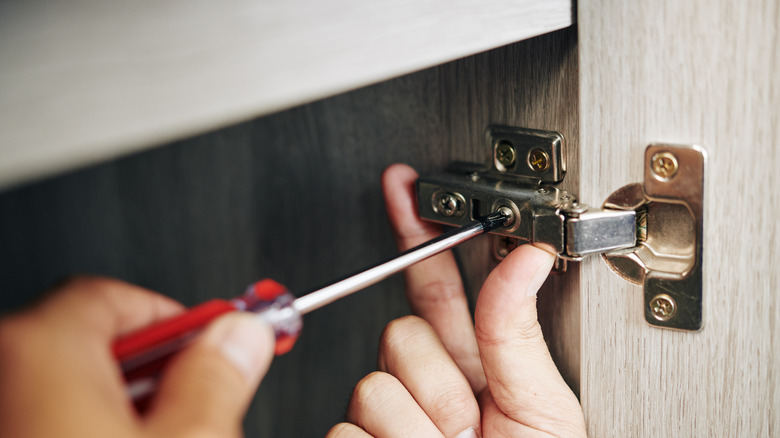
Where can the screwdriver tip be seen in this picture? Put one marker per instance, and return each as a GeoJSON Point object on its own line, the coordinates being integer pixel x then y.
{"type": "Point", "coordinates": [496, 220]}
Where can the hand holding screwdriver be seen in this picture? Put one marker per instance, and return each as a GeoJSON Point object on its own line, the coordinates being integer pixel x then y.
{"type": "Point", "coordinates": [144, 353]}
{"type": "Point", "coordinates": [57, 363]}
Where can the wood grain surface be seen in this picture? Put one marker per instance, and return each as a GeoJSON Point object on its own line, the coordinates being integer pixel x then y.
{"type": "Point", "coordinates": [88, 80]}
{"type": "Point", "coordinates": [295, 196]}
{"type": "Point", "coordinates": [701, 72]}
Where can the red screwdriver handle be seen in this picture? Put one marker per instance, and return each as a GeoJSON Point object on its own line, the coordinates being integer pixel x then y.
{"type": "Point", "coordinates": [143, 354]}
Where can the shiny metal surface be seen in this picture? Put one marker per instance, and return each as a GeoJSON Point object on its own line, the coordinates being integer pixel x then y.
{"type": "Point", "coordinates": [538, 217]}
{"type": "Point", "coordinates": [599, 231]}
{"type": "Point", "coordinates": [543, 216]}
{"type": "Point", "coordinates": [649, 234]}
{"type": "Point", "coordinates": [664, 165]}
{"type": "Point", "coordinates": [383, 270]}
{"type": "Point", "coordinates": [448, 204]}
{"type": "Point", "coordinates": [527, 153]}
{"type": "Point", "coordinates": [505, 154]}
{"type": "Point", "coordinates": [668, 257]}
{"type": "Point", "coordinates": [663, 307]}
{"type": "Point", "coordinates": [538, 160]}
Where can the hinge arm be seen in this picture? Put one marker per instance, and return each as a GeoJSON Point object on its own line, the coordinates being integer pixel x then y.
{"type": "Point", "coordinates": [542, 215]}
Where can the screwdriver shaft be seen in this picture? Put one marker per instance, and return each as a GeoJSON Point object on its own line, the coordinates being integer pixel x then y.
{"type": "Point", "coordinates": [381, 271]}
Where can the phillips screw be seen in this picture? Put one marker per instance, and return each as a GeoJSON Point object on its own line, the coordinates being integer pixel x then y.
{"type": "Point", "coordinates": [505, 154]}
{"type": "Point", "coordinates": [664, 165]}
{"type": "Point", "coordinates": [448, 204]}
{"type": "Point", "coordinates": [663, 307]}
{"type": "Point", "coordinates": [538, 160]}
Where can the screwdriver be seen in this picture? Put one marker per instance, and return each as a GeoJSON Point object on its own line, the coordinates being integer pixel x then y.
{"type": "Point", "coordinates": [143, 354]}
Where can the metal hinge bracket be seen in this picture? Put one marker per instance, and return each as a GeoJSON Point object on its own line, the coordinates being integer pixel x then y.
{"type": "Point", "coordinates": [648, 233]}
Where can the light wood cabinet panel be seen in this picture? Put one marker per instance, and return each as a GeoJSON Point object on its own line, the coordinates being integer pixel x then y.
{"type": "Point", "coordinates": [701, 72]}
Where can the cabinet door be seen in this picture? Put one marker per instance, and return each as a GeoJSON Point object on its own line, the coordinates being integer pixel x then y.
{"type": "Point", "coordinates": [701, 72]}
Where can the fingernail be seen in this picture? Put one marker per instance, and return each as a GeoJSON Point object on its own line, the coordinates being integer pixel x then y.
{"type": "Point", "coordinates": [244, 340]}
{"type": "Point", "coordinates": [541, 273]}
{"type": "Point", "coordinates": [468, 433]}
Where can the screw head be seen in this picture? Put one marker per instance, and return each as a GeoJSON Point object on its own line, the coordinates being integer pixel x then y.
{"type": "Point", "coordinates": [448, 204]}
{"type": "Point", "coordinates": [664, 165]}
{"type": "Point", "coordinates": [502, 246]}
{"type": "Point", "coordinates": [538, 160]}
{"type": "Point", "coordinates": [505, 154]}
{"type": "Point", "coordinates": [663, 307]}
{"type": "Point", "coordinates": [509, 214]}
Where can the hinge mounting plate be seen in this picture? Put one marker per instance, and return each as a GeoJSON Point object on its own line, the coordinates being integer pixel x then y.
{"type": "Point", "coordinates": [668, 257]}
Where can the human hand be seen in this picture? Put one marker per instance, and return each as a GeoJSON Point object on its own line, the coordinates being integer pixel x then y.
{"type": "Point", "coordinates": [441, 375]}
{"type": "Point", "coordinates": [58, 376]}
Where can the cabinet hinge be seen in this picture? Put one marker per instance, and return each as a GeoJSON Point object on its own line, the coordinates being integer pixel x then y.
{"type": "Point", "coordinates": [649, 233]}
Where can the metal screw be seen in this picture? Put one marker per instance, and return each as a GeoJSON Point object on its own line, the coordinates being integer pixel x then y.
{"type": "Point", "coordinates": [502, 246]}
{"type": "Point", "coordinates": [509, 214]}
{"type": "Point", "coordinates": [505, 154]}
{"type": "Point", "coordinates": [663, 307]}
{"type": "Point", "coordinates": [448, 204]}
{"type": "Point", "coordinates": [576, 208]}
{"type": "Point", "coordinates": [664, 165]}
{"type": "Point", "coordinates": [538, 160]}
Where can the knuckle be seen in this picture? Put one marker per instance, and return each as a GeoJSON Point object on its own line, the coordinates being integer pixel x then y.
{"type": "Point", "coordinates": [370, 391]}
{"type": "Point", "coordinates": [456, 403]}
{"type": "Point", "coordinates": [373, 385]}
{"type": "Point", "coordinates": [96, 286]}
{"type": "Point", "coordinates": [87, 286]}
{"type": "Point", "coordinates": [81, 282]}
{"type": "Point", "coordinates": [521, 330]}
{"type": "Point", "coordinates": [400, 334]}
{"type": "Point", "coordinates": [528, 329]}
{"type": "Point", "coordinates": [344, 430]}
{"type": "Point", "coordinates": [400, 330]}
{"type": "Point", "coordinates": [440, 290]}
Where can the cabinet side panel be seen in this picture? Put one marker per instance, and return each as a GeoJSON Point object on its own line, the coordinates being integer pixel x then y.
{"type": "Point", "coordinates": [688, 72]}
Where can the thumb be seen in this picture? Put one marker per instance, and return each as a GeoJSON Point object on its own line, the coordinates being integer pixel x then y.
{"type": "Point", "coordinates": [522, 377]}
{"type": "Point", "coordinates": [206, 388]}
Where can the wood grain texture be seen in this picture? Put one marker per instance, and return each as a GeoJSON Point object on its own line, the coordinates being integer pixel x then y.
{"type": "Point", "coordinates": [295, 196]}
{"type": "Point", "coordinates": [88, 80]}
{"type": "Point", "coordinates": [694, 72]}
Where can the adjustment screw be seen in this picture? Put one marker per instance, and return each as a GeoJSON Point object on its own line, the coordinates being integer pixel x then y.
{"type": "Point", "coordinates": [538, 160]}
{"type": "Point", "coordinates": [664, 165]}
{"type": "Point", "coordinates": [508, 214]}
{"type": "Point", "coordinates": [447, 204]}
{"type": "Point", "coordinates": [663, 307]}
{"type": "Point", "coordinates": [505, 154]}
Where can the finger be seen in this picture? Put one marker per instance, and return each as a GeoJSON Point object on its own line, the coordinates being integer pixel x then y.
{"type": "Point", "coordinates": [208, 386]}
{"type": "Point", "coordinates": [500, 425]}
{"type": "Point", "coordinates": [104, 307]}
{"type": "Point", "coordinates": [434, 287]}
{"type": "Point", "coordinates": [411, 351]}
{"type": "Point", "coordinates": [347, 430]}
{"type": "Point", "coordinates": [384, 408]}
{"type": "Point", "coordinates": [521, 375]}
